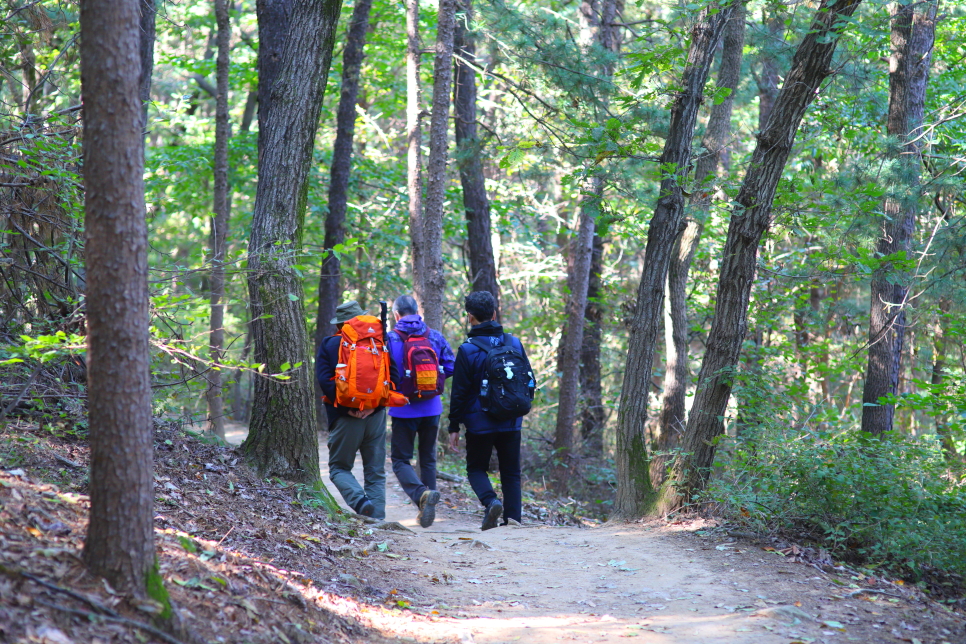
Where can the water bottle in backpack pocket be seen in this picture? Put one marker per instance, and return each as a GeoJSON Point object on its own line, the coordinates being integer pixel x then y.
{"type": "Point", "coordinates": [508, 384]}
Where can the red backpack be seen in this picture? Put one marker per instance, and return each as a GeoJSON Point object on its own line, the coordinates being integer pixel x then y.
{"type": "Point", "coordinates": [422, 378]}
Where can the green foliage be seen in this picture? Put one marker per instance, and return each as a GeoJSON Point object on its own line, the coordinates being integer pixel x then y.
{"type": "Point", "coordinates": [892, 502]}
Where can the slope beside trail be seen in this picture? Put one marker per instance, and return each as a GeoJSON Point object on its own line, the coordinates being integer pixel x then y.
{"type": "Point", "coordinates": [654, 582]}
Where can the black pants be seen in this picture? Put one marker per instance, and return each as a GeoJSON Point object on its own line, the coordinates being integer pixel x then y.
{"type": "Point", "coordinates": [404, 434]}
{"type": "Point", "coordinates": [478, 450]}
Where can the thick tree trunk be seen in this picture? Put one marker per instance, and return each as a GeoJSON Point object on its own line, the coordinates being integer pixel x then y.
{"type": "Point", "coordinates": [219, 226]}
{"type": "Point", "coordinates": [749, 220]}
{"type": "Point", "coordinates": [571, 340]}
{"type": "Point", "coordinates": [469, 149]}
{"type": "Point", "coordinates": [634, 491]}
{"type": "Point", "coordinates": [715, 143]}
{"type": "Point", "coordinates": [330, 279]}
{"type": "Point", "coordinates": [282, 439]}
{"type": "Point", "coordinates": [273, 22]}
{"type": "Point", "coordinates": [148, 34]}
{"type": "Point", "coordinates": [120, 535]}
{"type": "Point", "coordinates": [414, 144]}
{"type": "Point", "coordinates": [592, 412]}
{"type": "Point", "coordinates": [434, 272]}
{"type": "Point", "coordinates": [913, 33]}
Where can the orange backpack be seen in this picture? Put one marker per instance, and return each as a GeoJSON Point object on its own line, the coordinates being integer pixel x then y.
{"type": "Point", "coordinates": [362, 375]}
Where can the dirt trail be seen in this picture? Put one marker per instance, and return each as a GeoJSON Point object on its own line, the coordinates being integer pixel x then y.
{"type": "Point", "coordinates": [539, 584]}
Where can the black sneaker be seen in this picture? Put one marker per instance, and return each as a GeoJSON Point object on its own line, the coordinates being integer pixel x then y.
{"type": "Point", "coordinates": [492, 515]}
{"type": "Point", "coordinates": [366, 508]}
{"type": "Point", "coordinates": [427, 508]}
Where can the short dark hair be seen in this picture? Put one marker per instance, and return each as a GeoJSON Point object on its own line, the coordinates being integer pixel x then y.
{"type": "Point", "coordinates": [481, 305]}
{"type": "Point", "coordinates": [405, 305]}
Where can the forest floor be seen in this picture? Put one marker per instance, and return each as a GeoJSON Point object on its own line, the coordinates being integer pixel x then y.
{"type": "Point", "coordinates": [249, 560]}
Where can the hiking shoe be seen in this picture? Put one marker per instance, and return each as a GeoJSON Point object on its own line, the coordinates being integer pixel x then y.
{"type": "Point", "coordinates": [427, 508]}
{"type": "Point", "coordinates": [492, 515]}
{"type": "Point", "coordinates": [366, 508]}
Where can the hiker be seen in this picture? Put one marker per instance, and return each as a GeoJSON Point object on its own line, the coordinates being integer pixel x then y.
{"type": "Point", "coordinates": [493, 387]}
{"type": "Point", "coordinates": [358, 379]}
{"type": "Point", "coordinates": [425, 361]}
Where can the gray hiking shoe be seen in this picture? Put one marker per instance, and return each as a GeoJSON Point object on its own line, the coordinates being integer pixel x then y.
{"type": "Point", "coordinates": [492, 515]}
{"type": "Point", "coordinates": [427, 508]}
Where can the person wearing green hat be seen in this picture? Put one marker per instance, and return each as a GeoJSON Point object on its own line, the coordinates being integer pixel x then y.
{"type": "Point", "coordinates": [353, 431]}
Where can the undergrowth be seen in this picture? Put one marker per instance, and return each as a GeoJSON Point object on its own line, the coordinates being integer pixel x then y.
{"type": "Point", "coordinates": [892, 503]}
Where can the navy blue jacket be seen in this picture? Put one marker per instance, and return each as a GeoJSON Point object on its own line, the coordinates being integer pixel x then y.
{"type": "Point", "coordinates": [464, 405]}
{"type": "Point", "coordinates": [325, 362]}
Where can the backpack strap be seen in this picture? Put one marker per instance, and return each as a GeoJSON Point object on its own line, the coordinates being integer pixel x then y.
{"type": "Point", "coordinates": [480, 343]}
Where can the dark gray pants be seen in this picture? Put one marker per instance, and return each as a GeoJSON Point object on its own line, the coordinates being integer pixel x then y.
{"type": "Point", "coordinates": [366, 436]}
{"type": "Point", "coordinates": [405, 432]}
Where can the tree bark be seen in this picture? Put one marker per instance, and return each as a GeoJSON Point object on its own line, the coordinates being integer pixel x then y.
{"type": "Point", "coordinates": [282, 439]}
{"type": "Point", "coordinates": [148, 34]}
{"type": "Point", "coordinates": [913, 33]}
{"type": "Point", "coordinates": [592, 412]}
{"type": "Point", "coordinates": [219, 226]}
{"type": "Point", "coordinates": [571, 339]}
{"type": "Point", "coordinates": [414, 144]}
{"type": "Point", "coordinates": [469, 149]}
{"type": "Point", "coordinates": [634, 491]}
{"type": "Point", "coordinates": [330, 278]}
{"type": "Point", "coordinates": [715, 143]}
{"type": "Point", "coordinates": [120, 535]}
{"type": "Point", "coordinates": [434, 271]}
{"type": "Point", "coordinates": [749, 220]}
{"type": "Point", "coordinates": [768, 78]}
{"type": "Point", "coordinates": [273, 23]}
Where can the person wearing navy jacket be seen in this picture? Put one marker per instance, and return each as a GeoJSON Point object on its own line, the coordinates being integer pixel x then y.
{"type": "Point", "coordinates": [420, 418]}
{"type": "Point", "coordinates": [483, 432]}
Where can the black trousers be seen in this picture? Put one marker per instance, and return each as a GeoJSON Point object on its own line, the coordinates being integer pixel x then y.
{"type": "Point", "coordinates": [405, 431]}
{"type": "Point", "coordinates": [478, 450]}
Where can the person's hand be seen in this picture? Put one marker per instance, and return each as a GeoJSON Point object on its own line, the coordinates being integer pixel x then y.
{"type": "Point", "coordinates": [454, 441]}
{"type": "Point", "coordinates": [361, 413]}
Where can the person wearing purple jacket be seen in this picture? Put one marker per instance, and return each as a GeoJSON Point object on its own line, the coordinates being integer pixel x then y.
{"type": "Point", "coordinates": [420, 418]}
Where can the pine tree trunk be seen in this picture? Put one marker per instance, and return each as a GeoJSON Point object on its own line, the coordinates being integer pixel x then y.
{"type": "Point", "coordinates": [913, 33]}
{"type": "Point", "coordinates": [475, 201]}
{"type": "Point", "coordinates": [282, 439]}
{"type": "Point", "coordinates": [749, 221]}
{"type": "Point", "coordinates": [634, 491]}
{"type": "Point", "coordinates": [330, 279]}
{"type": "Point", "coordinates": [592, 412]}
{"type": "Point", "coordinates": [120, 535]}
{"type": "Point", "coordinates": [434, 272]}
{"type": "Point", "coordinates": [273, 21]}
{"type": "Point", "coordinates": [715, 142]}
{"type": "Point", "coordinates": [219, 226]}
{"type": "Point", "coordinates": [414, 144]}
{"type": "Point", "coordinates": [148, 33]}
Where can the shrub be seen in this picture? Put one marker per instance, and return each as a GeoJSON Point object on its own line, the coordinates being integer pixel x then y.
{"type": "Point", "coordinates": [890, 501]}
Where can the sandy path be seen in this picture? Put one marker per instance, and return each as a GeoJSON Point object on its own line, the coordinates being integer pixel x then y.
{"type": "Point", "coordinates": [540, 584]}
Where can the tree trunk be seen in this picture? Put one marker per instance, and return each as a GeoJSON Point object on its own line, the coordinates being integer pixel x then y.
{"type": "Point", "coordinates": [940, 350]}
{"type": "Point", "coordinates": [475, 202]}
{"type": "Point", "coordinates": [571, 339]}
{"type": "Point", "coordinates": [120, 535]}
{"type": "Point", "coordinates": [913, 33]}
{"type": "Point", "coordinates": [768, 78]}
{"type": "Point", "coordinates": [634, 491]}
{"type": "Point", "coordinates": [330, 279]}
{"type": "Point", "coordinates": [273, 22]}
{"type": "Point", "coordinates": [434, 272]}
{"type": "Point", "coordinates": [414, 144]}
{"type": "Point", "coordinates": [592, 412]}
{"type": "Point", "coordinates": [148, 34]}
{"type": "Point", "coordinates": [219, 226]}
{"type": "Point", "coordinates": [282, 439]}
{"type": "Point", "coordinates": [749, 220]}
{"type": "Point", "coordinates": [715, 143]}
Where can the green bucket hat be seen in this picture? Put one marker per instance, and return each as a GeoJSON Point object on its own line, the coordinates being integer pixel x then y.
{"type": "Point", "coordinates": [346, 311]}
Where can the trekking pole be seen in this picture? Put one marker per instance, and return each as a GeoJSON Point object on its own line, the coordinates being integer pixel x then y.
{"type": "Point", "coordinates": [382, 316]}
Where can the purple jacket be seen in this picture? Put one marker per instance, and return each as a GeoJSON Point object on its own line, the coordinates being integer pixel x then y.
{"type": "Point", "coordinates": [410, 324]}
